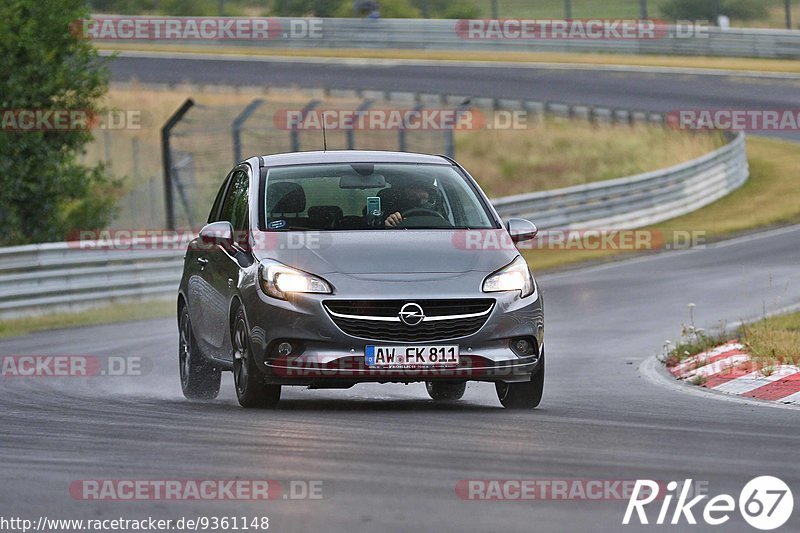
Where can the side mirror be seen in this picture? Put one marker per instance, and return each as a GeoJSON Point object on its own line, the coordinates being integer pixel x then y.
{"type": "Point", "coordinates": [521, 229]}
{"type": "Point", "coordinates": [217, 233]}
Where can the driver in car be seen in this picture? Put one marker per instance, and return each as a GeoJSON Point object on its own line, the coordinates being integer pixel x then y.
{"type": "Point", "coordinates": [415, 196]}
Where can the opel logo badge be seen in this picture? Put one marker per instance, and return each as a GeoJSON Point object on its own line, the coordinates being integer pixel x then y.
{"type": "Point", "coordinates": [411, 314]}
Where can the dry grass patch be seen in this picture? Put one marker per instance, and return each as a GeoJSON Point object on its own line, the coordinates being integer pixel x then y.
{"type": "Point", "coordinates": [774, 341]}
{"type": "Point", "coordinates": [555, 153]}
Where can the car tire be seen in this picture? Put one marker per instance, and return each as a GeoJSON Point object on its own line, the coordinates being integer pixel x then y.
{"type": "Point", "coordinates": [200, 380]}
{"type": "Point", "coordinates": [525, 395]}
{"type": "Point", "coordinates": [251, 391]}
{"type": "Point", "coordinates": [445, 391]}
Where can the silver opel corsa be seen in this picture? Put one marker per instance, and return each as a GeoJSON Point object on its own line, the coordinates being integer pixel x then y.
{"type": "Point", "coordinates": [327, 269]}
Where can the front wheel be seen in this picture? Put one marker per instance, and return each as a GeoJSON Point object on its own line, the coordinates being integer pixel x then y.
{"type": "Point", "coordinates": [251, 391]}
{"type": "Point", "coordinates": [199, 379]}
{"type": "Point", "coordinates": [443, 391]}
{"type": "Point", "coordinates": [525, 395]}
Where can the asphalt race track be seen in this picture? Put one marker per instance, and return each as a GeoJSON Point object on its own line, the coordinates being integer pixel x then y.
{"type": "Point", "coordinates": [390, 458]}
{"type": "Point", "coordinates": [627, 90]}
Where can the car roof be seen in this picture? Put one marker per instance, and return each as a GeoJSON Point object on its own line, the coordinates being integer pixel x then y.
{"type": "Point", "coordinates": [351, 156]}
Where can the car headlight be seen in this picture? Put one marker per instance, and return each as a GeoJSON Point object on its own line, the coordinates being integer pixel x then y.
{"type": "Point", "coordinates": [513, 277]}
{"type": "Point", "coordinates": [278, 280]}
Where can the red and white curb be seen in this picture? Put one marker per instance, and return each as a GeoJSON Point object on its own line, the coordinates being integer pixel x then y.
{"type": "Point", "coordinates": [729, 369]}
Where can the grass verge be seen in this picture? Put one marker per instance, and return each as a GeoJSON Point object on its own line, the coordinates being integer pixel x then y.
{"type": "Point", "coordinates": [553, 153]}
{"type": "Point", "coordinates": [781, 66]}
{"type": "Point", "coordinates": [774, 340]}
{"type": "Point", "coordinates": [120, 312]}
{"type": "Point", "coordinates": [770, 342]}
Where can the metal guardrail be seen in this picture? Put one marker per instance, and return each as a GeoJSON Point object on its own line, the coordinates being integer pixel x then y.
{"type": "Point", "coordinates": [636, 201]}
{"type": "Point", "coordinates": [67, 276]}
{"type": "Point", "coordinates": [439, 34]}
{"type": "Point", "coordinates": [63, 276]}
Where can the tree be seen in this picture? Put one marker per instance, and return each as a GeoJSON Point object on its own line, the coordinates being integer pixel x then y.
{"type": "Point", "coordinates": [45, 192]}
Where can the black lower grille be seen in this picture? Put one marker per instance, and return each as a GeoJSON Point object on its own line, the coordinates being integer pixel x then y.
{"type": "Point", "coordinates": [397, 331]}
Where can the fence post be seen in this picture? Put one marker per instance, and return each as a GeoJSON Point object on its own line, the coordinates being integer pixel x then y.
{"type": "Point", "coordinates": [186, 162]}
{"type": "Point", "coordinates": [236, 128]}
{"type": "Point", "coordinates": [449, 133]}
{"type": "Point", "coordinates": [351, 135]}
{"type": "Point", "coordinates": [135, 149]}
{"type": "Point", "coordinates": [166, 159]}
{"type": "Point", "coordinates": [107, 147]}
{"type": "Point", "coordinates": [401, 132]}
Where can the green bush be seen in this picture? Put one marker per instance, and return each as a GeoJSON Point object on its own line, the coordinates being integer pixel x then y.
{"type": "Point", "coordinates": [705, 9]}
{"type": "Point", "coordinates": [189, 8]}
{"type": "Point", "coordinates": [314, 8]}
{"type": "Point", "coordinates": [449, 9]}
{"type": "Point", "coordinates": [393, 9]}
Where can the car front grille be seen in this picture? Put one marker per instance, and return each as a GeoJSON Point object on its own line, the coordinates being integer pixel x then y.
{"type": "Point", "coordinates": [379, 320]}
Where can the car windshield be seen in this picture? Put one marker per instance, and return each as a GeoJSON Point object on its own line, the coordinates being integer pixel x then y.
{"type": "Point", "coordinates": [362, 196]}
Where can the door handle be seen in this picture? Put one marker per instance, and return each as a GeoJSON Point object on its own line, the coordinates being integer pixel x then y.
{"type": "Point", "coordinates": [230, 283]}
{"type": "Point", "coordinates": [202, 260]}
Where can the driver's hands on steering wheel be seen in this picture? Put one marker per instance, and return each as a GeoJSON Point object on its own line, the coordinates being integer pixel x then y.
{"type": "Point", "coordinates": [393, 220]}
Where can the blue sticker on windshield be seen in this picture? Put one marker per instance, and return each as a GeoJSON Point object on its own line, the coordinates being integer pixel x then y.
{"type": "Point", "coordinates": [277, 224]}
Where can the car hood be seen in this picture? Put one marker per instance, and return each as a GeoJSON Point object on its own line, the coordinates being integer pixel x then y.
{"type": "Point", "coordinates": [376, 253]}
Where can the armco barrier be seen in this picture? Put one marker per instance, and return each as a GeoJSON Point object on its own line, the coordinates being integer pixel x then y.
{"type": "Point", "coordinates": [62, 276]}
{"type": "Point", "coordinates": [636, 201]}
{"type": "Point", "coordinates": [449, 34]}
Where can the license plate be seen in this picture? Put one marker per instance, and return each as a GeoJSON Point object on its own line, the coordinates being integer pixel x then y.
{"type": "Point", "coordinates": [411, 356]}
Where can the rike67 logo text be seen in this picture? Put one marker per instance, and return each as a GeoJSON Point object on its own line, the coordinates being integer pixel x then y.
{"type": "Point", "coordinates": [765, 503]}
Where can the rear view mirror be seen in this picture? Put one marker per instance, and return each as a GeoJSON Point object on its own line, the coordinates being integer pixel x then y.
{"type": "Point", "coordinates": [356, 181]}
{"type": "Point", "coordinates": [521, 229]}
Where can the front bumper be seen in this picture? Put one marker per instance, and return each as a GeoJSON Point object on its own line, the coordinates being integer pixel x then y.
{"type": "Point", "coordinates": [325, 355]}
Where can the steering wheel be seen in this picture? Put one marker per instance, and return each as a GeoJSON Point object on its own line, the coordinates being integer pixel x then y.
{"type": "Point", "coordinates": [421, 211]}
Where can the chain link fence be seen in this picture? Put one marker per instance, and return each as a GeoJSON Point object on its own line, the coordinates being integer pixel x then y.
{"type": "Point", "coordinates": [210, 139]}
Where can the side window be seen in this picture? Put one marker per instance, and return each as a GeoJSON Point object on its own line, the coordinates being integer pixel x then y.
{"type": "Point", "coordinates": [235, 207]}
{"type": "Point", "coordinates": [240, 219]}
